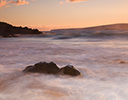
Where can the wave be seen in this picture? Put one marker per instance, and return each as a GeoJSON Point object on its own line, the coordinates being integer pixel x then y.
{"type": "Point", "coordinates": [64, 34]}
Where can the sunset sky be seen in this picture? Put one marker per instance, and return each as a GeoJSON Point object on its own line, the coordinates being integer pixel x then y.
{"type": "Point", "coordinates": [52, 14]}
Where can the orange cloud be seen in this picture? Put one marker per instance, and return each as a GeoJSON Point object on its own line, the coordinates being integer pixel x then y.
{"type": "Point", "coordinates": [75, 0]}
{"type": "Point", "coordinates": [2, 18]}
{"type": "Point", "coordinates": [19, 2]}
{"type": "Point", "coordinates": [3, 3]}
{"type": "Point", "coordinates": [61, 3]}
{"type": "Point", "coordinates": [7, 6]}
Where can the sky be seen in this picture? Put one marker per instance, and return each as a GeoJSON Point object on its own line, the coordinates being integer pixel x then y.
{"type": "Point", "coordinates": [53, 14]}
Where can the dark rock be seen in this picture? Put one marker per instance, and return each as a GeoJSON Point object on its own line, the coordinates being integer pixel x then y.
{"type": "Point", "coordinates": [7, 30]}
{"type": "Point", "coordinates": [123, 62]}
{"type": "Point", "coordinates": [43, 67]}
{"type": "Point", "coordinates": [52, 68]}
{"type": "Point", "coordinates": [69, 70]}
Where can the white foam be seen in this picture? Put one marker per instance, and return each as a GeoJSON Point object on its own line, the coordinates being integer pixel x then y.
{"type": "Point", "coordinates": [104, 78]}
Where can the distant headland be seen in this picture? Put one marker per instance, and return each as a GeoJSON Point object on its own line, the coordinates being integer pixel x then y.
{"type": "Point", "coordinates": [119, 26]}
{"type": "Point", "coordinates": [7, 30]}
{"type": "Point", "coordinates": [111, 30]}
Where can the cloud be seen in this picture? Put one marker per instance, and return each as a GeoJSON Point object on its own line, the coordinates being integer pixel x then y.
{"type": "Point", "coordinates": [75, 0]}
{"type": "Point", "coordinates": [20, 2]}
{"type": "Point", "coordinates": [61, 3]}
{"type": "Point", "coordinates": [3, 3]}
{"type": "Point", "coordinates": [40, 27]}
{"type": "Point", "coordinates": [2, 18]}
{"type": "Point", "coordinates": [7, 6]}
{"type": "Point", "coordinates": [49, 27]}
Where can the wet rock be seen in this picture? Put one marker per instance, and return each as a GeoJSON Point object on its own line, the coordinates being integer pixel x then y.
{"type": "Point", "coordinates": [52, 68]}
{"type": "Point", "coordinates": [123, 62]}
{"type": "Point", "coordinates": [69, 70]}
{"type": "Point", "coordinates": [43, 67]}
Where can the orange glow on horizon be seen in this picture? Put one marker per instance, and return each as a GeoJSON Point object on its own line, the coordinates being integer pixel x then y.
{"type": "Point", "coordinates": [51, 14]}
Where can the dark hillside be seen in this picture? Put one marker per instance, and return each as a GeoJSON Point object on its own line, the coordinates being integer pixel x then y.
{"type": "Point", "coordinates": [121, 26]}
{"type": "Point", "coordinates": [7, 30]}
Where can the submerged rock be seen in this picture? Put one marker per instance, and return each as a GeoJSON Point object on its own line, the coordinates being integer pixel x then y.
{"type": "Point", "coordinates": [52, 68]}
{"type": "Point", "coordinates": [43, 67]}
{"type": "Point", "coordinates": [121, 61]}
{"type": "Point", "coordinates": [70, 70]}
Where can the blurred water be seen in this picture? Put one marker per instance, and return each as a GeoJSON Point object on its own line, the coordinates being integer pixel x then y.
{"type": "Point", "coordinates": [104, 77]}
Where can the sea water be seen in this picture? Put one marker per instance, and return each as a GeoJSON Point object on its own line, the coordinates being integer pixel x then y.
{"type": "Point", "coordinates": [102, 62]}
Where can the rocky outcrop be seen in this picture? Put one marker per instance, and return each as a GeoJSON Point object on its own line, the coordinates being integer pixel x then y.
{"type": "Point", "coordinates": [52, 68]}
{"type": "Point", "coordinates": [7, 30]}
{"type": "Point", "coordinates": [43, 67]}
{"type": "Point", "coordinates": [69, 70]}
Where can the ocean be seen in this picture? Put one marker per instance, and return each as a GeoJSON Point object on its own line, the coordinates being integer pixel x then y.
{"type": "Point", "coordinates": [103, 63]}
